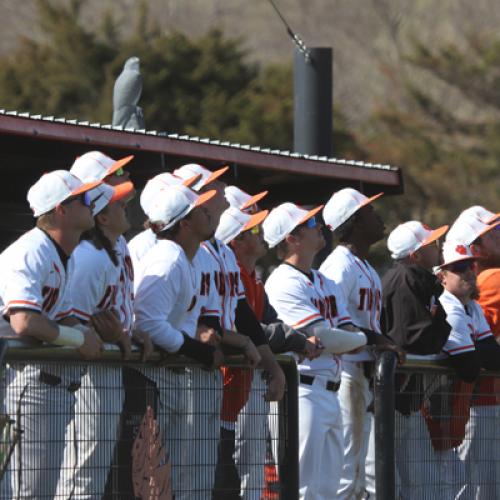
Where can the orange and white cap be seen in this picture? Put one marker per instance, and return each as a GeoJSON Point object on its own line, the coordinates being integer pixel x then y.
{"type": "Point", "coordinates": [159, 183]}
{"type": "Point", "coordinates": [233, 222]}
{"type": "Point", "coordinates": [174, 204]}
{"type": "Point", "coordinates": [343, 204]}
{"type": "Point", "coordinates": [94, 165]}
{"type": "Point", "coordinates": [55, 187]}
{"type": "Point", "coordinates": [410, 236]}
{"type": "Point", "coordinates": [483, 214]}
{"type": "Point", "coordinates": [242, 200]}
{"type": "Point", "coordinates": [455, 252]}
{"type": "Point", "coordinates": [283, 220]}
{"type": "Point", "coordinates": [206, 176]}
{"type": "Point", "coordinates": [469, 227]}
{"type": "Point", "coordinates": [104, 194]}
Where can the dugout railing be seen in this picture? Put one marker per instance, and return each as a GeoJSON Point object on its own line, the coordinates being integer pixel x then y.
{"type": "Point", "coordinates": [436, 437]}
{"type": "Point", "coordinates": [139, 430]}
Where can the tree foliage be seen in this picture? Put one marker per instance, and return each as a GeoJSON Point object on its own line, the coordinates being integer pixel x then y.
{"type": "Point", "coordinates": [204, 86]}
{"type": "Point", "coordinates": [448, 147]}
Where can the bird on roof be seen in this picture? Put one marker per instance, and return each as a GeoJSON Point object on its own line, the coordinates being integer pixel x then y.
{"type": "Point", "coordinates": [126, 94]}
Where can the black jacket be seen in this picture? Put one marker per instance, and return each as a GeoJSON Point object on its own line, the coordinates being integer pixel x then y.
{"type": "Point", "coordinates": [412, 315]}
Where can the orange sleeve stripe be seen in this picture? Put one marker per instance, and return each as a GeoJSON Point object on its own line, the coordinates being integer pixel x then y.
{"type": "Point", "coordinates": [305, 320]}
{"type": "Point", "coordinates": [80, 313]}
{"type": "Point", "coordinates": [24, 302]}
{"type": "Point", "coordinates": [64, 314]}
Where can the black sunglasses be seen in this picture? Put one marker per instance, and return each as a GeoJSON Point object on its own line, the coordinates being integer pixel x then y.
{"type": "Point", "coordinates": [84, 198]}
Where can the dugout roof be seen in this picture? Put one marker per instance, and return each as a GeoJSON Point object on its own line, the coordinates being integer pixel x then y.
{"type": "Point", "coordinates": [33, 144]}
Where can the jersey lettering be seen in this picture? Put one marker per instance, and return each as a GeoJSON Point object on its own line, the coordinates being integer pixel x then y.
{"type": "Point", "coordinates": [50, 296]}
{"type": "Point", "coordinates": [369, 300]}
{"type": "Point", "coordinates": [327, 306]}
{"type": "Point", "coordinates": [205, 284]}
{"type": "Point", "coordinates": [109, 298]}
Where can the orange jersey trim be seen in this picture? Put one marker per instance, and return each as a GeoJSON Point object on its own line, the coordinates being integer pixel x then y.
{"type": "Point", "coordinates": [305, 320]}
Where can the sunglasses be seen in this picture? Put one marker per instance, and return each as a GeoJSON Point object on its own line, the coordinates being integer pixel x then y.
{"type": "Point", "coordinates": [460, 266]}
{"type": "Point", "coordinates": [84, 198]}
{"type": "Point", "coordinates": [119, 173]}
{"type": "Point", "coordinates": [255, 230]}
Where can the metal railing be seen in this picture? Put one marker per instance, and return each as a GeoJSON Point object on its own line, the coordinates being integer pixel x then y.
{"type": "Point", "coordinates": [437, 437]}
{"type": "Point", "coordinates": [127, 429]}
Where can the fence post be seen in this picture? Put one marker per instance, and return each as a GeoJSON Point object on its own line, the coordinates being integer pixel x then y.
{"type": "Point", "coordinates": [384, 425]}
{"type": "Point", "coordinates": [289, 465]}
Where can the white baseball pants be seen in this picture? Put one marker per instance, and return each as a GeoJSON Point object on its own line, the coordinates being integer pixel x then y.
{"type": "Point", "coordinates": [321, 443]}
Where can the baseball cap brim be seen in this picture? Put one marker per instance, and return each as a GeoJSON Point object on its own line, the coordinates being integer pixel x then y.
{"type": "Point", "coordinates": [192, 180]}
{"type": "Point", "coordinates": [460, 259]}
{"type": "Point", "coordinates": [256, 219]}
{"type": "Point", "coordinates": [494, 218]}
{"type": "Point", "coordinates": [370, 200]}
{"type": "Point", "coordinates": [215, 175]}
{"type": "Point", "coordinates": [84, 188]}
{"type": "Point", "coordinates": [204, 197]}
{"type": "Point", "coordinates": [119, 164]}
{"type": "Point", "coordinates": [487, 230]}
{"type": "Point", "coordinates": [125, 190]}
{"type": "Point", "coordinates": [310, 214]}
{"type": "Point", "coordinates": [435, 235]}
{"type": "Point", "coordinates": [254, 199]}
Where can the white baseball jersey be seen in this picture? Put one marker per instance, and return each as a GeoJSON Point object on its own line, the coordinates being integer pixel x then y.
{"type": "Point", "coordinates": [94, 284]}
{"type": "Point", "coordinates": [125, 295]}
{"type": "Point", "coordinates": [468, 324]}
{"type": "Point", "coordinates": [33, 276]}
{"type": "Point", "coordinates": [227, 281]}
{"type": "Point", "coordinates": [139, 245]}
{"type": "Point", "coordinates": [361, 288]}
{"type": "Point", "coordinates": [300, 300]}
{"type": "Point", "coordinates": [165, 294]}
{"type": "Point", "coordinates": [208, 298]}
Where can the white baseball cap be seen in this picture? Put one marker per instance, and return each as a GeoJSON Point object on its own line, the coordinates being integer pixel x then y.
{"type": "Point", "coordinates": [55, 187]}
{"type": "Point", "coordinates": [104, 194]}
{"type": "Point", "coordinates": [206, 176]}
{"type": "Point", "coordinates": [283, 220]}
{"type": "Point", "coordinates": [174, 203]}
{"type": "Point", "coordinates": [343, 204]}
{"type": "Point", "coordinates": [158, 184]}
{"type": "Point", "coordinates": [482, 214]}
{"type": "Point", "coordinates": [467, 228]}
{"type": "Point", "coordinates": [410, 236]}
{"type": "Point", "coordinates": [233, 222]}
{"type": "Point", "coordinates": [94, 165]}
{"type": "Point", "coordinates": [455, 252]}
{"type": "Point", "coordinates": [242, 200]}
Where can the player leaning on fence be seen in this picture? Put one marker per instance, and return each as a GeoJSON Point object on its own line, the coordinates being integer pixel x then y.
{"type": "Point", "coordinates": [306, 300]}
{"type": "Point", "coordinates": [34, 297]}
{"type": "Point", "coordinates": [478, 228]}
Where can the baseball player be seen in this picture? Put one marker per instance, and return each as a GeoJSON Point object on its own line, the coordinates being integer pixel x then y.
{"type": "Point", "coordinates": [414, 318]}
{"type": "Point", "coordinates": [470, 345]}
{"type": "Point", "coordinates": [305, 299]}
{"type": "Point", "coordinates": [235, 311]}
{"type": "Point", "coordinates": [166, 295]}
{"type": "Point", "coordinates": [479, 228]}
{"type": "Point", "coordinates": [101, 298]}
{"type": "Point", "coordinates": [36, 270]}
{"type": "Point", "coordinates": [351, 217]}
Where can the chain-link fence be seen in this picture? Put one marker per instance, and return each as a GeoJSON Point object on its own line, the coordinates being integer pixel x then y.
{"type": "Point", "coordinates": [437, 436]}
{"type": "Point", "coordinates": [142, 430]}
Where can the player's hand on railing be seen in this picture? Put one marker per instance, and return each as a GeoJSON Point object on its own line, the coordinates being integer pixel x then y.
{"type": "Point", "coordinates": [313, 347]}
{"type": "Point", "coordinates": [207, 335]}
{"type": "Point", "coordinates": [144, 340]}
{"type": "Point", "coordinates": [384, 344]}
{"type": "Point", "coordinates": [275, 385]}
{"type": "Point", "coordinates": [108, 325]}
{"type": "Point", "coordinates": [92, 345]}
{"type": "Point", "coordinates": [125, 345]}
{"type": "Point", "coordinates": [252, 355]}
